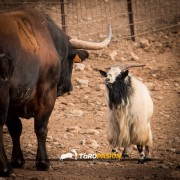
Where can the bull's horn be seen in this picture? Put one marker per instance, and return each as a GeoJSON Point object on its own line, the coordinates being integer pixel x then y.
{"type": "Point", "coordinates": [132, 65]}
{"type": "Point", "coordinates": [80, 44]}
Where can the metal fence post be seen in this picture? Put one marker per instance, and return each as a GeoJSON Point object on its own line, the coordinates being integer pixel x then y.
{"type": "Point", "coordinates": [63, 15]}
{"type": "Point", "coordinates": [131, 20]}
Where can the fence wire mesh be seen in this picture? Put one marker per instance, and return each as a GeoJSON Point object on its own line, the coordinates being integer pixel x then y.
{"type": "Point", "coordinates": [88, 19]}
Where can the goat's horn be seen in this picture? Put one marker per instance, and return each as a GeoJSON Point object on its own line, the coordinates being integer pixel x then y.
{"type": "Point", "coordinates": [132, 65]}
{"type": "Point", "coordinates": [80, 44]}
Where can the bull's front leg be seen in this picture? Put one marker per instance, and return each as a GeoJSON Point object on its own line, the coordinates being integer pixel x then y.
{"type": "Point", "coordinates": [42, 162]}
{"type": "Point", "coordinates": [40, 125]}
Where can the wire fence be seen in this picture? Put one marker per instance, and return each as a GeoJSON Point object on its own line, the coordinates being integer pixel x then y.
{"type": "Point", "coordinates": [88, 19]}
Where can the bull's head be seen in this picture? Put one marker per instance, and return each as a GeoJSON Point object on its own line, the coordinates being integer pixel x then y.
{"type": "Point", "coordinates": [77, 54]}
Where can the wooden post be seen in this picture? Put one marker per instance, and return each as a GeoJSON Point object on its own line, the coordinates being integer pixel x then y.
{"type": "Point", "coordinates": [131, 20]}
{"type": "Point", "coordinates": [63, 15]}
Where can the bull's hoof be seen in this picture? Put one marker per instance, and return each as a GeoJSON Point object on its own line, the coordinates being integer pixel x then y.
{"type": "Point", "coordinates": [17, 163]}
{"type": "Point", "coordinates": [6, 172]}
{"type": "Point", "coordinates": [125, 155]}
{"type": "Point", "coordinates": [42, 165]}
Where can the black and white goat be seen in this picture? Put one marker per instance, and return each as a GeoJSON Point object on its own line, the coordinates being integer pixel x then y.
{"type": "Point", "coordinates": [130, 111]}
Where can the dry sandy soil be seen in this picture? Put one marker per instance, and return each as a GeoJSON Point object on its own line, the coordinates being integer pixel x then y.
{"type": "Point", "coordinates": [79, 120]}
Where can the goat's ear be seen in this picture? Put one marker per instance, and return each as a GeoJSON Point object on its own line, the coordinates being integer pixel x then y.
{"type": "Point", "coordinates": [103, 73]}
{"type": "Point", "coordinates": [125, 73]}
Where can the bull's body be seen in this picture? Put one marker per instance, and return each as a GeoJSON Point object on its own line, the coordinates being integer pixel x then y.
{"type": "Point", "coordinates": [36, 62]}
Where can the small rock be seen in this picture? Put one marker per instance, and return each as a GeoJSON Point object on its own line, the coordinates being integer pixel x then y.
{"type": "Point", "coordinates": [123, 59]}
{"type": "Point", "coordinates": [75, 113]}
{"type": "Point", "coordinates": [154, 75]}
{"type": "Point", "coordinates": [79, 67]}
{"type": "Point", "coordinates": [82, 142]}
{"type": "Point", "coordinates": [58, 145]}
{"type": "Point", "coordinates": [91, 141]}
{"type": "Point", "coordinates": [177, 139]}
{"type": "Point", "coordinates": [32, 152]}
{"type": "Point", "coordinates": [5, 129]}
{"type": "Point", "coordinates": [159, 97]}
{"type": "Point", "coordinates": [166, 84]}
{"type": "Point", "coordinates": [166, 115]}
{"type": "Point", "coordinates": [49, 139]}
{"type": "Point", "coordinates": [29, 145]}
{"type": "Point", "coordinates": [84, 82]}
{"type": "Point", "coordinates": [151, 86]}
{"type": "Point", "coordinates": [91, 131]}
{"type": "Point", "coordinates": [94, 146]}
{"type": "Point", "coordinates": [65, 136]}
{"type": "Point", "coordinates": [100, 87]}
{"type": "Point", "coordinates": [89, 68]}
{"type": "Point", "coordinates": [176, 84]}
{"type": "Point", "coordinates": [171, 150]}
{"type": "Point", "coordinates": [73, 129]}
{"type": "Point", "coordinates": [134, 57]}
{"type": "Point", "coordinates": [163, 166]}
{"type": "Point", "coordinates": [143, 43]}
{"type": "Point", "coordinates": [113, 54]}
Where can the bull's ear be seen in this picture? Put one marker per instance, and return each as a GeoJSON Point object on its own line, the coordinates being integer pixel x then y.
{"type": "Point", "coordinates": [103, 73]}
{"type": "Point", "coordinates": [80, 56]}
{"type": "Point", "coordinates": [125, 73]}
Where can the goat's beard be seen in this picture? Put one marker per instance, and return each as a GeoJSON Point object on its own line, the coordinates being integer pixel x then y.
{"type": "Point", "coordinates": [109, 85]}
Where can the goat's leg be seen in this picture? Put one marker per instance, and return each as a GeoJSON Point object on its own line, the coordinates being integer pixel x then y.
{"type": "Point", "coordinates": [125, 153]}
{"type": "Point", "coordinates": [147, 154]}
{"type": "Point", "coordinates": [141, 153]}
{"type": "Point", "coordinates": [15, 128]}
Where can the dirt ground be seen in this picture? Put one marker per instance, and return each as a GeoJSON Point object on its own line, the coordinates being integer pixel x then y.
{"type": "Point", "coordinates": [79, 120]}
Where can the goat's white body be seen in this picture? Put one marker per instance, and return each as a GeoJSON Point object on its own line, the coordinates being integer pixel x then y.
{"type": "Point", "coordinates": [130, 123]}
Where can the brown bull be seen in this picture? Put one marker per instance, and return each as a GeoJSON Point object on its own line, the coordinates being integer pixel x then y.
{"type": "Point", "coordinates": [36, 60]}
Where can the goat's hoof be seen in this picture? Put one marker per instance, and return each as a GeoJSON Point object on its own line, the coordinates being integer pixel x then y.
{"type": "Point", "coordinates": [147, 159]}
{"type": "Point", "coordinates": [125, 155]}
{"type": "Point", "coordinates": [42, 165]}
{"type": "Point", "coordinates": [17, 163]}
{"type": "Point", "coordinates": [115, 151]}
{"type": "Point", "coordinates": [143, 160]}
